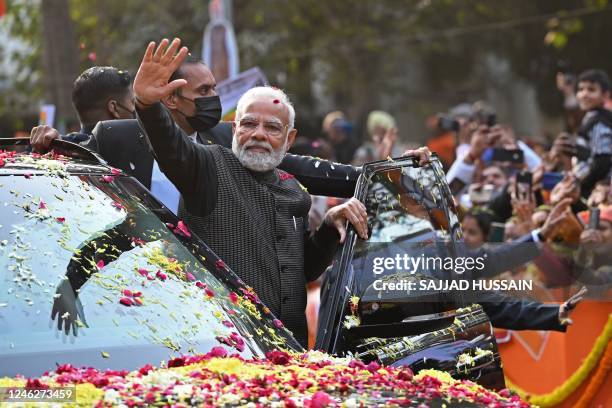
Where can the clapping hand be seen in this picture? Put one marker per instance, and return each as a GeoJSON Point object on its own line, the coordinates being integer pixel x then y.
{"type": "Point", "coordinates": [151, 81]}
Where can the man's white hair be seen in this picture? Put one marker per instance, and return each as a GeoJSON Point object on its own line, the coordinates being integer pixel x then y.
{"type": "Point", "coordinates": [269, 92]}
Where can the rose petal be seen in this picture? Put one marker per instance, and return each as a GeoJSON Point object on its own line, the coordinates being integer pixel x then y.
{"type": "Point", "coordinates": [190, 276]}
{"type": "Point", "coordinates": [181, 228]}
{"type": "Point", "coordinates": [100, 264]}
{"type": "Point", "coordinates": [60, 219]}
{"type": "Point", "coordinates": [125, 301]}
{"type": "Point", "coordinates": [107, 179]}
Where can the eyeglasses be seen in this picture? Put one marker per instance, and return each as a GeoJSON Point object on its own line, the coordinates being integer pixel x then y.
{"type": "Point", "coordinates": [248, 126]}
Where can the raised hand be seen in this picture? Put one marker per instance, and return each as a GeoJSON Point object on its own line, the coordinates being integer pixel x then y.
{"type": "Point", "coordinates": [151, 81]}
{"type": "Point", "coordinates": [569, 305]}
{"type": "Point", "coordinates": [559, 213]}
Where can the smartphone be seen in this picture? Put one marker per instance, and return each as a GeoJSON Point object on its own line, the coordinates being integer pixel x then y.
{"type": "Point", "coordinates": [507, 155]}
{"type": "Point", "coordinates": [594, 218]}
{"type": "Point", "coordinates": [582, 152]}
{"type": "Point", "coordinates": [491, 119]}
{"type": "Point", "coordinates": [524, 181]}
{"type": "Point", "coordinates": [447, 124]}
{"type": "Point", "coordinates": [550, 180]}
{"type": "Point", "coordinates": [456, 186]}
{"type": "Point", "coordinates": [497, 232]}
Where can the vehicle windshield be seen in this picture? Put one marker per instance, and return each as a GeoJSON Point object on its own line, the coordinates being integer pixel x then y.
{"type": "Point", "coordinates": [96, 273]}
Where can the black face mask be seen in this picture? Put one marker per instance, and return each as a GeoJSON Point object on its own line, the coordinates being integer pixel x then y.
{"type": "Point", "coordinates": [208, 112]}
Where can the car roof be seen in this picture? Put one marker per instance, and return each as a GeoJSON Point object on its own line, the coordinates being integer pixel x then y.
{"type": "Point", "coordinates": [15, 154]}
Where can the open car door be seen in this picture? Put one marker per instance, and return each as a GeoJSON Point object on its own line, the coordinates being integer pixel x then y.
{"type": "Point", "coordinates": [370, 303]}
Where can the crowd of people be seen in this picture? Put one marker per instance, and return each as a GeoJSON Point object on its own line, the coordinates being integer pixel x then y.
{"type": "Point", "coordinates": [238, 188]}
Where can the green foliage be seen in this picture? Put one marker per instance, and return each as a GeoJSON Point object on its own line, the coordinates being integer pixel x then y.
{"type": "Point", "coordinates": [357, 54]}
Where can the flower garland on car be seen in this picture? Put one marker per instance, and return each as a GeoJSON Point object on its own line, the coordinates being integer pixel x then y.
{"type": "Point", "coordinates": [313, 379]}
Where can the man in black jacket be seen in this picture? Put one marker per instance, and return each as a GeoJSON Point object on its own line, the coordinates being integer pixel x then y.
{"type": "Point", "coordinates": [250, 213]}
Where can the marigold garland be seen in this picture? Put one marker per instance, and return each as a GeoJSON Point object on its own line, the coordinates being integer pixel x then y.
{"type": "Point", "coordinates": [565, 390]}
{"type": "Point", "coordinates": [597, 380]}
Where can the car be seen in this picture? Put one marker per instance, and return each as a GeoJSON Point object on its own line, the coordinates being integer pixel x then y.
{"type": "Point", "coordinates": [100, 280]}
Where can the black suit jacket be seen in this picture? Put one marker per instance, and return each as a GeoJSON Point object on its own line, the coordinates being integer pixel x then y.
{"type": "Point", "coordinates": [123, 145]}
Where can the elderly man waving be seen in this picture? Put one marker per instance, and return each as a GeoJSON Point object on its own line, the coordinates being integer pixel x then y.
{"type": "Point", "coordinates": [249, 212]}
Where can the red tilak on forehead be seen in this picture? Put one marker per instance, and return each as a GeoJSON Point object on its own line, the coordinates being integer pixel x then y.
{"type": "Point", "coordinates": [276, 101]}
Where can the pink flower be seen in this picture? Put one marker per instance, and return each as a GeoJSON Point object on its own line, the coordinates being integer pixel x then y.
{"type": "Point", "coordinates": [35, 384]}
{"type": "Point", "coordinates": [150, 398]}
{"type": "Point", "coordinates": [138, 241]}
{"type": "Point", "coordinates": [219, 264]}
{"type": "Point", "coordinates": [161, 276]}
{"type": "Point", "coordinates": [182, 229]}
{"type": "Point", "coordinates": [117, 205]}
{"type": "Point", "coordinates": [127, 292]}
{"type": "Point", "coordinates": [200, 285]}
{"type": "Point", "coordinates": [176, 362]}
{"type": "Point", "coordinates": [144, 370]}
{"type": "Point", "coordinates": [125, 301]}
{"type": "Point", "coordinates": [320, 399]}
{"type": "Point", "coordinates": [42, 205]}
{"type": "Point", "coordinates": [228, 324]}
{"type": "Point", "coordinates": [144, 272]}
{"type": "Point", "coordinates": [278, 357]}
{"type": "Point", "coordinates": [60, 219]}
{"type": "Point", "coordinates": [283, 175]}
{"type": "Point", "coordinates": [278, 323]}
{"type": "Point", "coordinates": [233, 297]}
{"type": "Point", "coordinates": [115, 172]}
{"type": "Point", "coordinates": [92, 56]}
{"type": "Point", "coordinates": [100, 264]}
{"type": "Point", "coordinates": [136, 293]}
{"type": "Point", "coordinates": [107, 179]}
{"type": "Point", "coordinates": [373, 367]}
{"type": "Point", "coordinates": [218, 351]}
{"type": "Point", "coordinates": [190, 276]}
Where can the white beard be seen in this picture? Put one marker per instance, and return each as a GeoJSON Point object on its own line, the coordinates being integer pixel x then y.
{"type": "Point", "coordinates": [258, 161]}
